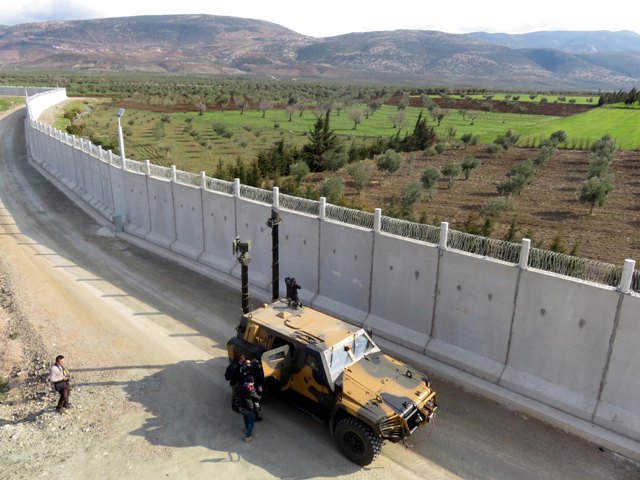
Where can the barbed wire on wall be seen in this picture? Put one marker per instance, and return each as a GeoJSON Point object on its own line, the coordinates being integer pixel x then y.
{"type": "Point", "coordinates": [297, 204]}
{"type": "Point", "coordinates": [187, 178]}
{"type": "Point", "coordinates": [134, 166]}
{"type": "Point", "coordinates": [577, 267]}
{"type": "Point", "coordinates": [115, 160]}
{"type": "Point", "coordinates": [218, 185]}
{"type": "Point", "coordinates": [635, 281]}
{"type": "Point", "coordinates": [349, 215]}
{"type": "Point", "coordinates": [159, 172]}
{"type": "Point", "coordinates": [487, 247]}
{"type": "Point", "coordinates": [256, 194]}
{"type": "Point", "coordinates": [404, 228]}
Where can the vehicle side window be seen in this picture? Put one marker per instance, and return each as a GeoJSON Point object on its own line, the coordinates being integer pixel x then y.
{"type": "Point", "coordinates": [312, 359]}
{"type": "Point", "coordinates": [279, 342]}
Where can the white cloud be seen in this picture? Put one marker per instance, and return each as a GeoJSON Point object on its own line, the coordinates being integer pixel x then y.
{"type": "Point", "coordinates": [28, 11]}
{"type": "Point", "coordinates": [334, 17]}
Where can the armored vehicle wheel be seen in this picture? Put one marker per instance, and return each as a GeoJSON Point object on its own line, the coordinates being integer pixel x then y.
{"type": "Point", "coordinates": [357, 441]}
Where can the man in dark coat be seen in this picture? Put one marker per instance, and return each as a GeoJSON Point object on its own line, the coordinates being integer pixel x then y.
{"type": "Point", "coordinates": [235, 377]}
{"type": "Point", "coordinates": [249, 403]}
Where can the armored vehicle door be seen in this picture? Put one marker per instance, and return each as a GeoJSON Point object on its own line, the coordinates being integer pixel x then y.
{"type": "Point", "coordinates": [276, 363]}
{"type": "Point", "coordinates": [309, 379]}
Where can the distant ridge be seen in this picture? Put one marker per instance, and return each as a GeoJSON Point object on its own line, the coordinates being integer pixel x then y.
{"type": "Point", "coordinates": [206, 44]}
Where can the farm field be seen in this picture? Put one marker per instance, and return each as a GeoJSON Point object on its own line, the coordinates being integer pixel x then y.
{"type": "Point", "coordinates": [7, 103]}
{"type": "Point", "coordinates": [547, 208]}
{"type": "Point", "coordinates": [526, 97]}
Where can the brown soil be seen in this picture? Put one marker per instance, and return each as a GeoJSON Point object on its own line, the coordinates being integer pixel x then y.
{"type": "Point", "coordinates": [548, 206]}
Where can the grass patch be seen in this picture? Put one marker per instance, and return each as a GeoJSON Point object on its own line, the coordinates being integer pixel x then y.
{"type": "Point", "coordinates": [623, 124]}
{"type": "Point", "coordinates": [7, 103]}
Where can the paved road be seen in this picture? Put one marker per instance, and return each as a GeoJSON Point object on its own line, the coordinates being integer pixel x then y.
{"type": "Point", "coordinates": [473, 438]}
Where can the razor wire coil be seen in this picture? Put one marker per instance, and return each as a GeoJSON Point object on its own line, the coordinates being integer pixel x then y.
{"type": "Point", "coordinates": [405, 228]}
{"type": "Point", "coordinates": [486, 247]}
{"type": "Point", "coordinates": [159, 172]}
{"type": "Point", "coordinates": [297, 204]}
{"type": "Point", "coordinates": [256, 194]}
{"type": "Point", "coordinates": [187, 178]}
{"type": "Point", "coordinates": [218, 185]}
{"type": "Point", "coordinates": [576, 267]}
{"type": "Point", "coordinates": [635, 281]}
{"type": "Point", "coordinates": [134, 166]}
{"type": "Point", "coordinates": [349, 215]}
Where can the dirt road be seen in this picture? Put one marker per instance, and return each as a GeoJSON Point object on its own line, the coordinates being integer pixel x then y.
{"type": "Point", "coordinates": [145, 342]}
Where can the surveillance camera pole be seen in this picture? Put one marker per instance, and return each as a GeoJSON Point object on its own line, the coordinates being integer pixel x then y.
{"type": "Point", "coordinates": [120, 137]}
{"type": "Point", "coordinates": [273, 223]}
{"type": "Point", "coordinates": [242, 248]}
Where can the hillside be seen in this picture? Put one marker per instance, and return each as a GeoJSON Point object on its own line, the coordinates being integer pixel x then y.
{"type": "Point", "coordinates": [205, 44]}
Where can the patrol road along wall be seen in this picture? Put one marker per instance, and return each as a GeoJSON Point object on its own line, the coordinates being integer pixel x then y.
{"type": "Point", "coordinates": [473, 303]}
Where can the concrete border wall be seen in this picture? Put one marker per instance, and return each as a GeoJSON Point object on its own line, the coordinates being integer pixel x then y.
{"type": "Point", "coordinates": [562, 342]}
{"type": "Point", "coordinates": [403, 290]}
{"type": "Point", "coordinates": [561, 335]}
{"type": "Point", "coordinates": [618, 407]}
{"type": "Point", "coordinates": [163, 225]}
{"type": "Point", "coordinates": [475, 301]}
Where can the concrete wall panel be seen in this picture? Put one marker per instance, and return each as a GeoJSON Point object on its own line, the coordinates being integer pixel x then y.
{"type": "Point", "coordinates": [299, 243]}
{"type": "Point", "coordinates": [619, 408]}
{"type": "Point", "coordinates": [345, 270]}
{"type": "Point", "coordinates": [252, 225]}
{"type": "Point", "coordinates": [219, 230]}
{"type": "Point", "coordinates": [107, 194]}
{"type": "Point", "coordinates": [560, 341]}
{"type": "Point", "coordinates": [402, 290]}
{"type": "Point", "coordinates": [136, 204]}
{"type": "Point", "coordinates": [187, 204]}
{"type": "Point", "coordinates": [116, 175]}
{"type": "Point", "coordinates": [163, 227]}
{"type": "Point", "coordinates": [473, 313]}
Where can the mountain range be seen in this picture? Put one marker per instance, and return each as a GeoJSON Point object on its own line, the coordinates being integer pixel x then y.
{"type": "Point", "coordinates": [206, 44]}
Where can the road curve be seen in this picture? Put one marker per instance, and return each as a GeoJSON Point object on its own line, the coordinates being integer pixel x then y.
{"type": "Point", "coordinates": [179, 322]}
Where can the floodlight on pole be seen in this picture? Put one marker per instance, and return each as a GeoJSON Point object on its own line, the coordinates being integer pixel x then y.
{"type": "Point", "coordinates": [120, 138]}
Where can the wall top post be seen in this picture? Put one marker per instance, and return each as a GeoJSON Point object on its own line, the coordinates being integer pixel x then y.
{"type": "Point", "coordinates": [377, 220]}
{"type": "Point", "coordinates": [236, 187]}
{"type": "Point", "coordinates": [444, 234]}
{"type": "Point", "coordinates": [322, 211]}
{"type": "Point", "coordinates": [203, 180]}
{"type": "Point", "coordinates": [147, 168]}
{"type": "Point", "coordinates": [174, 173]}
{"type": "Point", "coordinates": [276, 198]}
{"type": "Point", "coordinates": [524, 253]}
{"type": "Point", "coordinates": [627, 276]}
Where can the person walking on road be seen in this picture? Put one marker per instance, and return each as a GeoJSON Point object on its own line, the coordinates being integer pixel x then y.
{"type": "Point", "coordinates": [249, 402]}
{"type": "Point", "coordinates": [59, 376]}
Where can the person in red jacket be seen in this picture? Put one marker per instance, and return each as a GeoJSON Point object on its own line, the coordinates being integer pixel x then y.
{"type": "Point", "coordinates": [249, 403]}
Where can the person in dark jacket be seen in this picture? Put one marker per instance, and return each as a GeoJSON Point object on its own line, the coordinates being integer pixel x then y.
{"type": "Point", "coordinates": [235, 377]}
{"type": "Point", "coordinates": [249, 403]}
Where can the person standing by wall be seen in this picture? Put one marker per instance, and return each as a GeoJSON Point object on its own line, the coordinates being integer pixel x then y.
{"type": "Point", "coordinates": [249, 402]}
{"type": "Point", "coordinates": [59, 376]}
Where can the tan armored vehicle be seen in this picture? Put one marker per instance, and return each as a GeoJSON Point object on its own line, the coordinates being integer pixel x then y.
{"type": "Point", "coordinates": [335, 372]}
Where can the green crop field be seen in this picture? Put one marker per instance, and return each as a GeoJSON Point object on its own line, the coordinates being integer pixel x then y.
{"type": "Point", "coordinates": [623, 124]}
{"type": "Point", "coordinates": [191, 142]}
{"type": "Point", "coordinates": [526, 97]}
{"type": "Point", "coordinates": [7, 103]}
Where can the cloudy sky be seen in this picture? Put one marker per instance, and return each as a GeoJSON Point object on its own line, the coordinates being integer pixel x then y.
{"type": "Point", "coordinates": [343, 16]}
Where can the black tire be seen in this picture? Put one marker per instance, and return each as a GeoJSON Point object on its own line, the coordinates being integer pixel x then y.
{"type": "Point", "coordinates": [357, 441]}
